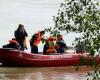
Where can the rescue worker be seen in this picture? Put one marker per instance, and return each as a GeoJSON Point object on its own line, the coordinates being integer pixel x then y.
{"type": "Point", "coordinates": [12, 44]}
{"type": "Point", "coordinates": [61, 45]}
{"type": "Point", "coordinates": [51, 45]}
{"type": "Point", "coordinates": [35, 40]}
{"type": "Point", "coordinates": [80, 47]}
{"type": "Point", "coordinates": [20, 35]}
{"type": "Point", "coordinates": [46, 46]}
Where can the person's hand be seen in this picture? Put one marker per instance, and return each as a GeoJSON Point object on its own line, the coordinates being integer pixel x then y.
{"type": "Point", "coordinates": [26, 48]}
{"type": "Point", "coordinates": [43, 40]}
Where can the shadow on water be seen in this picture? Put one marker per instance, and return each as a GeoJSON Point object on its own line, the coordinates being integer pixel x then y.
{"type": "Point", "coordinates": [47, 73]}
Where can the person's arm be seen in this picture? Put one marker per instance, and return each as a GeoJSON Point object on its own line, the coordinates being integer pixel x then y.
{"type": "Point", "coordinates": [15, 34]}
{"type": "Point", "coordinates": [26, 35]}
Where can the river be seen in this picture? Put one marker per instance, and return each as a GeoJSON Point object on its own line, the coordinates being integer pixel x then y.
{"type": "Point", "coordinates": [44, 73]}
{"type": "Point", "coordinates": [34, 14]}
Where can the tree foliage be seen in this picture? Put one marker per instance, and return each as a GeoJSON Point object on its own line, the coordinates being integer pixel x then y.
{"type": "Point", "coordinates": [81, 16]}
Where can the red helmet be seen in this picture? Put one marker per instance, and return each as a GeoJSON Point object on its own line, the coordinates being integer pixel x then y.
{"type": "Point", "coordinates": [51, 38]}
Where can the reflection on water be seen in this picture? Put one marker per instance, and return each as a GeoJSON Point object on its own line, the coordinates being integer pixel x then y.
{"type": "Point", "coordinates": [53, 73]}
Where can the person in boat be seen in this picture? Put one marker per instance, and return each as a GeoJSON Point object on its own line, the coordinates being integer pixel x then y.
{"type": "Point", "coordinates": [61, 45]}
{"type": "Point", "coordinates": [20, 36]}
{"type": "Point", "coordinates": [35, 40]}
{"type": "Point", "coordinates": [80, 47]}
{"type": "Point", "coordinates": [46, 46]}
{"type": "Point", "coordinates": [49, 47]}
{"type": "Point", "coordinates": [12, 44]}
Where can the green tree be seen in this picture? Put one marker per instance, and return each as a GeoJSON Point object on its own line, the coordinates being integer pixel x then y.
{"type": "Point", "coordinates": [81, 16]}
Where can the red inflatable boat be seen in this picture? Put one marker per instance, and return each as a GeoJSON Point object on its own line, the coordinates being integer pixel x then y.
{"type": "Point", "coordinates": [12, 57]}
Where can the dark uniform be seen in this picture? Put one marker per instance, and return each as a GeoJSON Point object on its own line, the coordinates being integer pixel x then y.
{"type": "Point", "coordinates": [20, 36]}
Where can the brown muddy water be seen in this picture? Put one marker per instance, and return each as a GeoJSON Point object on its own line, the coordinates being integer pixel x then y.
{"type": "Point", "coordinates": [44, 73]}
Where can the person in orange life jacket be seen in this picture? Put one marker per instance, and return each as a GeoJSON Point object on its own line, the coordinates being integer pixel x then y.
{"type": "Point", "coordinates": [61, 46]}
{"type": "Point", "coordinates": [35, 40]}
{"type": "Point", "coordinates": [20, 35]}
{"type": "Point", "coordinates": [12, 44]}
{"type": "Point", "coordinates": [51, 45]}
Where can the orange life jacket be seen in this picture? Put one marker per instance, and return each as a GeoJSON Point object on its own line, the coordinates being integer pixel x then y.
{"type": "Point", "coordinates": [13, 41]}
{"type": "Point", "coordinates": [37, 41]}
{"type": "Point", "coordinates": [51, 48]}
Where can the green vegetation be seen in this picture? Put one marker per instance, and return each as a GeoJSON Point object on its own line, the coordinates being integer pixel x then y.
{"type": "Point", "coordinates": [94, 75]}
{"type": "Point", "coordinates": [81, 16]}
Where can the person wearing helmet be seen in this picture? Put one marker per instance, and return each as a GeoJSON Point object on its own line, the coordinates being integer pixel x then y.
{"type": "Point", "coordinates": [51, 45]}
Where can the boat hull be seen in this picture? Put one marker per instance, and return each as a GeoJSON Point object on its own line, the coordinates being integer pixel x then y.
{"type": "Point", "coordinates": [11, 57]}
